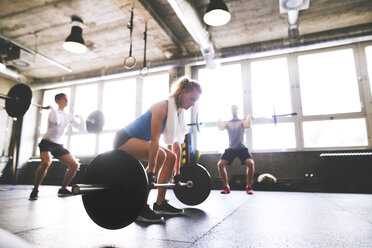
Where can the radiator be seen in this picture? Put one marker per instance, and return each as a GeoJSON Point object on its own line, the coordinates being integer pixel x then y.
{"type": "Point", "coordinates": [347, 166]}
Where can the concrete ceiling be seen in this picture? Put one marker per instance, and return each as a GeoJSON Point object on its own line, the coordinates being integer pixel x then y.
{"type": "Point", "coordinates": [256, 25]}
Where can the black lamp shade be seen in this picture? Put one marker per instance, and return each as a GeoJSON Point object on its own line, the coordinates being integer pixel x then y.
{"type": "Point", "coordinates": [74, 42]}
{"type": "Point", "coordinates": [217, 13]}
{"type": "Point", "coordinates": [217, 4]}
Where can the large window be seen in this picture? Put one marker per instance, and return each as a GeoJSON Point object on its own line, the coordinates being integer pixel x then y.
{"type": "Point", "coordinates": [335, 133]}
{"type": "Point", "coordinates": [212, 140]}
{"type": "Point", "coordinates": [274, 137]}
{"type": "Point", "coordinates": [83, 144]}
{"type": "Point", "coordinates": [221, 89]}
{"type": "Point", "coordinates": [271, 96]}
{"type": "Point", "coordinates": [329, 86]}
{"type": "Point", "coordinates": [85, 101]}
{"type": "Point", "coordinates": [315, 97]}
{"type": "Point", "coordinates": [106, 141]}
{"type": "Point", "coordinates": [270, 87]}
{"type": "Point", "coordinates": [117, 99]}
{"type": "Point", "coordinates": [155, 89]}
{"type": "Point", "coordinates": [328, 83]}
{"type": "Point", "coordinates": [119, 107]}
{"type": "Point", "coordinates": [118, 104]}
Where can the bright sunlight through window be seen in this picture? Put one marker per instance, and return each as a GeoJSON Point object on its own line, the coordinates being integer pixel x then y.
{"type": "Point", "coordinates": [335, 133]}
{"type": "Point", "coordinates": [328, 83]}
{"type": "Point", "coordinates": [221, 89]}
{"type": "Point", "coordinates": [119, 101]}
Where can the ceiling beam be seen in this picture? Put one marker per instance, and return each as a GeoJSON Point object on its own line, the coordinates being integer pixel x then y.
{"type": "Point", "coordinates": [147, 5]}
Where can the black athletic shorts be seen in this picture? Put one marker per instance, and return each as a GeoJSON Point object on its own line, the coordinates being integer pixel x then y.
{"type": "Point", "coordinates": [121, 138]}
{"type": "Point", "coordinates": [231, 154]}
{"type": "Point", "coordinates": [57, 150]}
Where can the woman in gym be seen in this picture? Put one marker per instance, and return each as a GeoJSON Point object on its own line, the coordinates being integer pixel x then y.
{"type": "Point", "coordinates": [141, 139]}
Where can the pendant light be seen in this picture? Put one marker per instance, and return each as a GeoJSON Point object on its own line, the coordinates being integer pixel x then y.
{"type": "Point", "coordinates": [217, 13]}
{"type": "Point", "coordinates": [74, 42]}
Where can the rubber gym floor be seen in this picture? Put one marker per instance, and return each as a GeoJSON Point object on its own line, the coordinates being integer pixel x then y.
{"type": "Point", "coordinates": [265, 219]}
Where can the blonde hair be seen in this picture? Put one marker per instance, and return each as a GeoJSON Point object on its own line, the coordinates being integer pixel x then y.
{"type": "Point", "coordinates": [187, 84]}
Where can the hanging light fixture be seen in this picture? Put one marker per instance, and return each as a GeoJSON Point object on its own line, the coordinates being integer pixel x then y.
{"type": "Point", "coordinates": [74, 42]}
{"type": "Point", "coordinates": [217, 13]}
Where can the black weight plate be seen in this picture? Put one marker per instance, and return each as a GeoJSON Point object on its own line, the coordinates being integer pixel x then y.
{"type": "Point", "coordinates": [201, 188]}
{"type": "Point", "coordinates": [95, 122]}
{"type": "Point", "coordinates": [128, 189]}
{"type": "Point", "coordinates": [20, 100]}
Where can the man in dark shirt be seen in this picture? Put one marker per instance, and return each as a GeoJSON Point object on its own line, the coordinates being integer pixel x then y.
{"type": "Point", "coordinates": [235, 129]}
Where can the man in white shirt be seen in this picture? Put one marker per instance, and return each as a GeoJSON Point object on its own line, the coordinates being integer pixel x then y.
{"type": "Point", "coordinates": [51, 144]}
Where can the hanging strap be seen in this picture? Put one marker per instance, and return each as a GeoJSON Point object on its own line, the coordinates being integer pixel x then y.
{"type": "Point", "coordinates": [130, 26]}
{"type": "Point", "coordinates": [145, 40]}
{"type": "Point", "coordinates": [144, 70]}
{"type": "Point", "coordinates": [130, 61]}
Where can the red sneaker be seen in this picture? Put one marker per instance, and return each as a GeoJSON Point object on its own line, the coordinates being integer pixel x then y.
{"type": "Point", "coordinates": [249, 190]}
{"type": "Point", "coordinates": [225, 190]}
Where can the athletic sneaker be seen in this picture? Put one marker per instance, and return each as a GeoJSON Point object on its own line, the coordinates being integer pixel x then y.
{"type": "Point", "coordinates": [166, 209]}
{"type": "Point", "coordinates": [149, 216]}
{"type": "Point", "coordinates": [64, 193]}
{"type": "Point", "coordinates": [225, 190]}
{"type": "Point", "coordinates": [33, 195]}
{"type": "Point", "coordinates": [249, 190]}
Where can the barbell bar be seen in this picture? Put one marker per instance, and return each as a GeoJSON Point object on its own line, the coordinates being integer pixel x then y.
{"type": "Point", "coordinates": [18, 101]}
{"type": "Point", "coordinates": [82, 189]}
{"type": "Point", "coordinates": [274, 117]}
{"type": "Point", "coordinates": [118, 188]}
{"type": "Point", "coordinates": [36, 105]}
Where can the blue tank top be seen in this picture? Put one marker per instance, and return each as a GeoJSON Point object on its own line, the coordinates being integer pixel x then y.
{"type": "Point", "coordinates": [141, 127]}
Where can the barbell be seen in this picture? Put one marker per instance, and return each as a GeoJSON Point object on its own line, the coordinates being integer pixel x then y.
{"type": "Point", "coordinates": [116, 188]}
{"type": "Point", "coordinates": [18, 101]}
{"type": "Point", "coordinates": [274, 117]}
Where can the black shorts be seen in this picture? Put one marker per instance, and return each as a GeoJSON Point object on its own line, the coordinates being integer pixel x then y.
{"type": "Point", "coordinates": [121, 138]}
{"type": "Point", "coordinates": [57, 150]}
{"type": "Point", "coordinates": [231, 154]}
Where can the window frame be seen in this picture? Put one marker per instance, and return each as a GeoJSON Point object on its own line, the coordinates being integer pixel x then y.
{"type": "Point", "coordinates": [364, 90]}
{"type": "Point", "coordinates": [70, 132]}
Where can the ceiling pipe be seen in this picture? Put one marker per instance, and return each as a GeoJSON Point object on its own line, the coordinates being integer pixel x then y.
{"type": "Point", "coordinates": [292, 21]}
{"type": "Point", "coordinates": [292, 8]}
{"type": "Point", "coordinates": [192, 22]}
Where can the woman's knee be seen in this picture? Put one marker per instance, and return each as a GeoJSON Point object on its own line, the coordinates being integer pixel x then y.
{"type": "Point", "coordinates": [171, 157]}
{"type": "Point", "coordinates": [162, 156]}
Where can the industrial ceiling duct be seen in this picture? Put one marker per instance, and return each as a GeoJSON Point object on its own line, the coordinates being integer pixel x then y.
{"type": "Point", "coordinates": [190, 19]}
{"type": "Point", "coordinates": [292, 8]}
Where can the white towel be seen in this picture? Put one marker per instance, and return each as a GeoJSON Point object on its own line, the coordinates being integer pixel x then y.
{"type": "Point", "coordinates": [175, 126]}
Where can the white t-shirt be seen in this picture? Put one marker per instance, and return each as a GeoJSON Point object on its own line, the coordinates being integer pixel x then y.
{"type": "Point", "coordinates": [57, 122]}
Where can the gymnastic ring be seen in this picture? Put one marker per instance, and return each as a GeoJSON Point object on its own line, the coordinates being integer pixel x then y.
{"type": "Point", "coordinates": [130, 62]}
{"type": "Point", "coordinates": [144, 71]}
